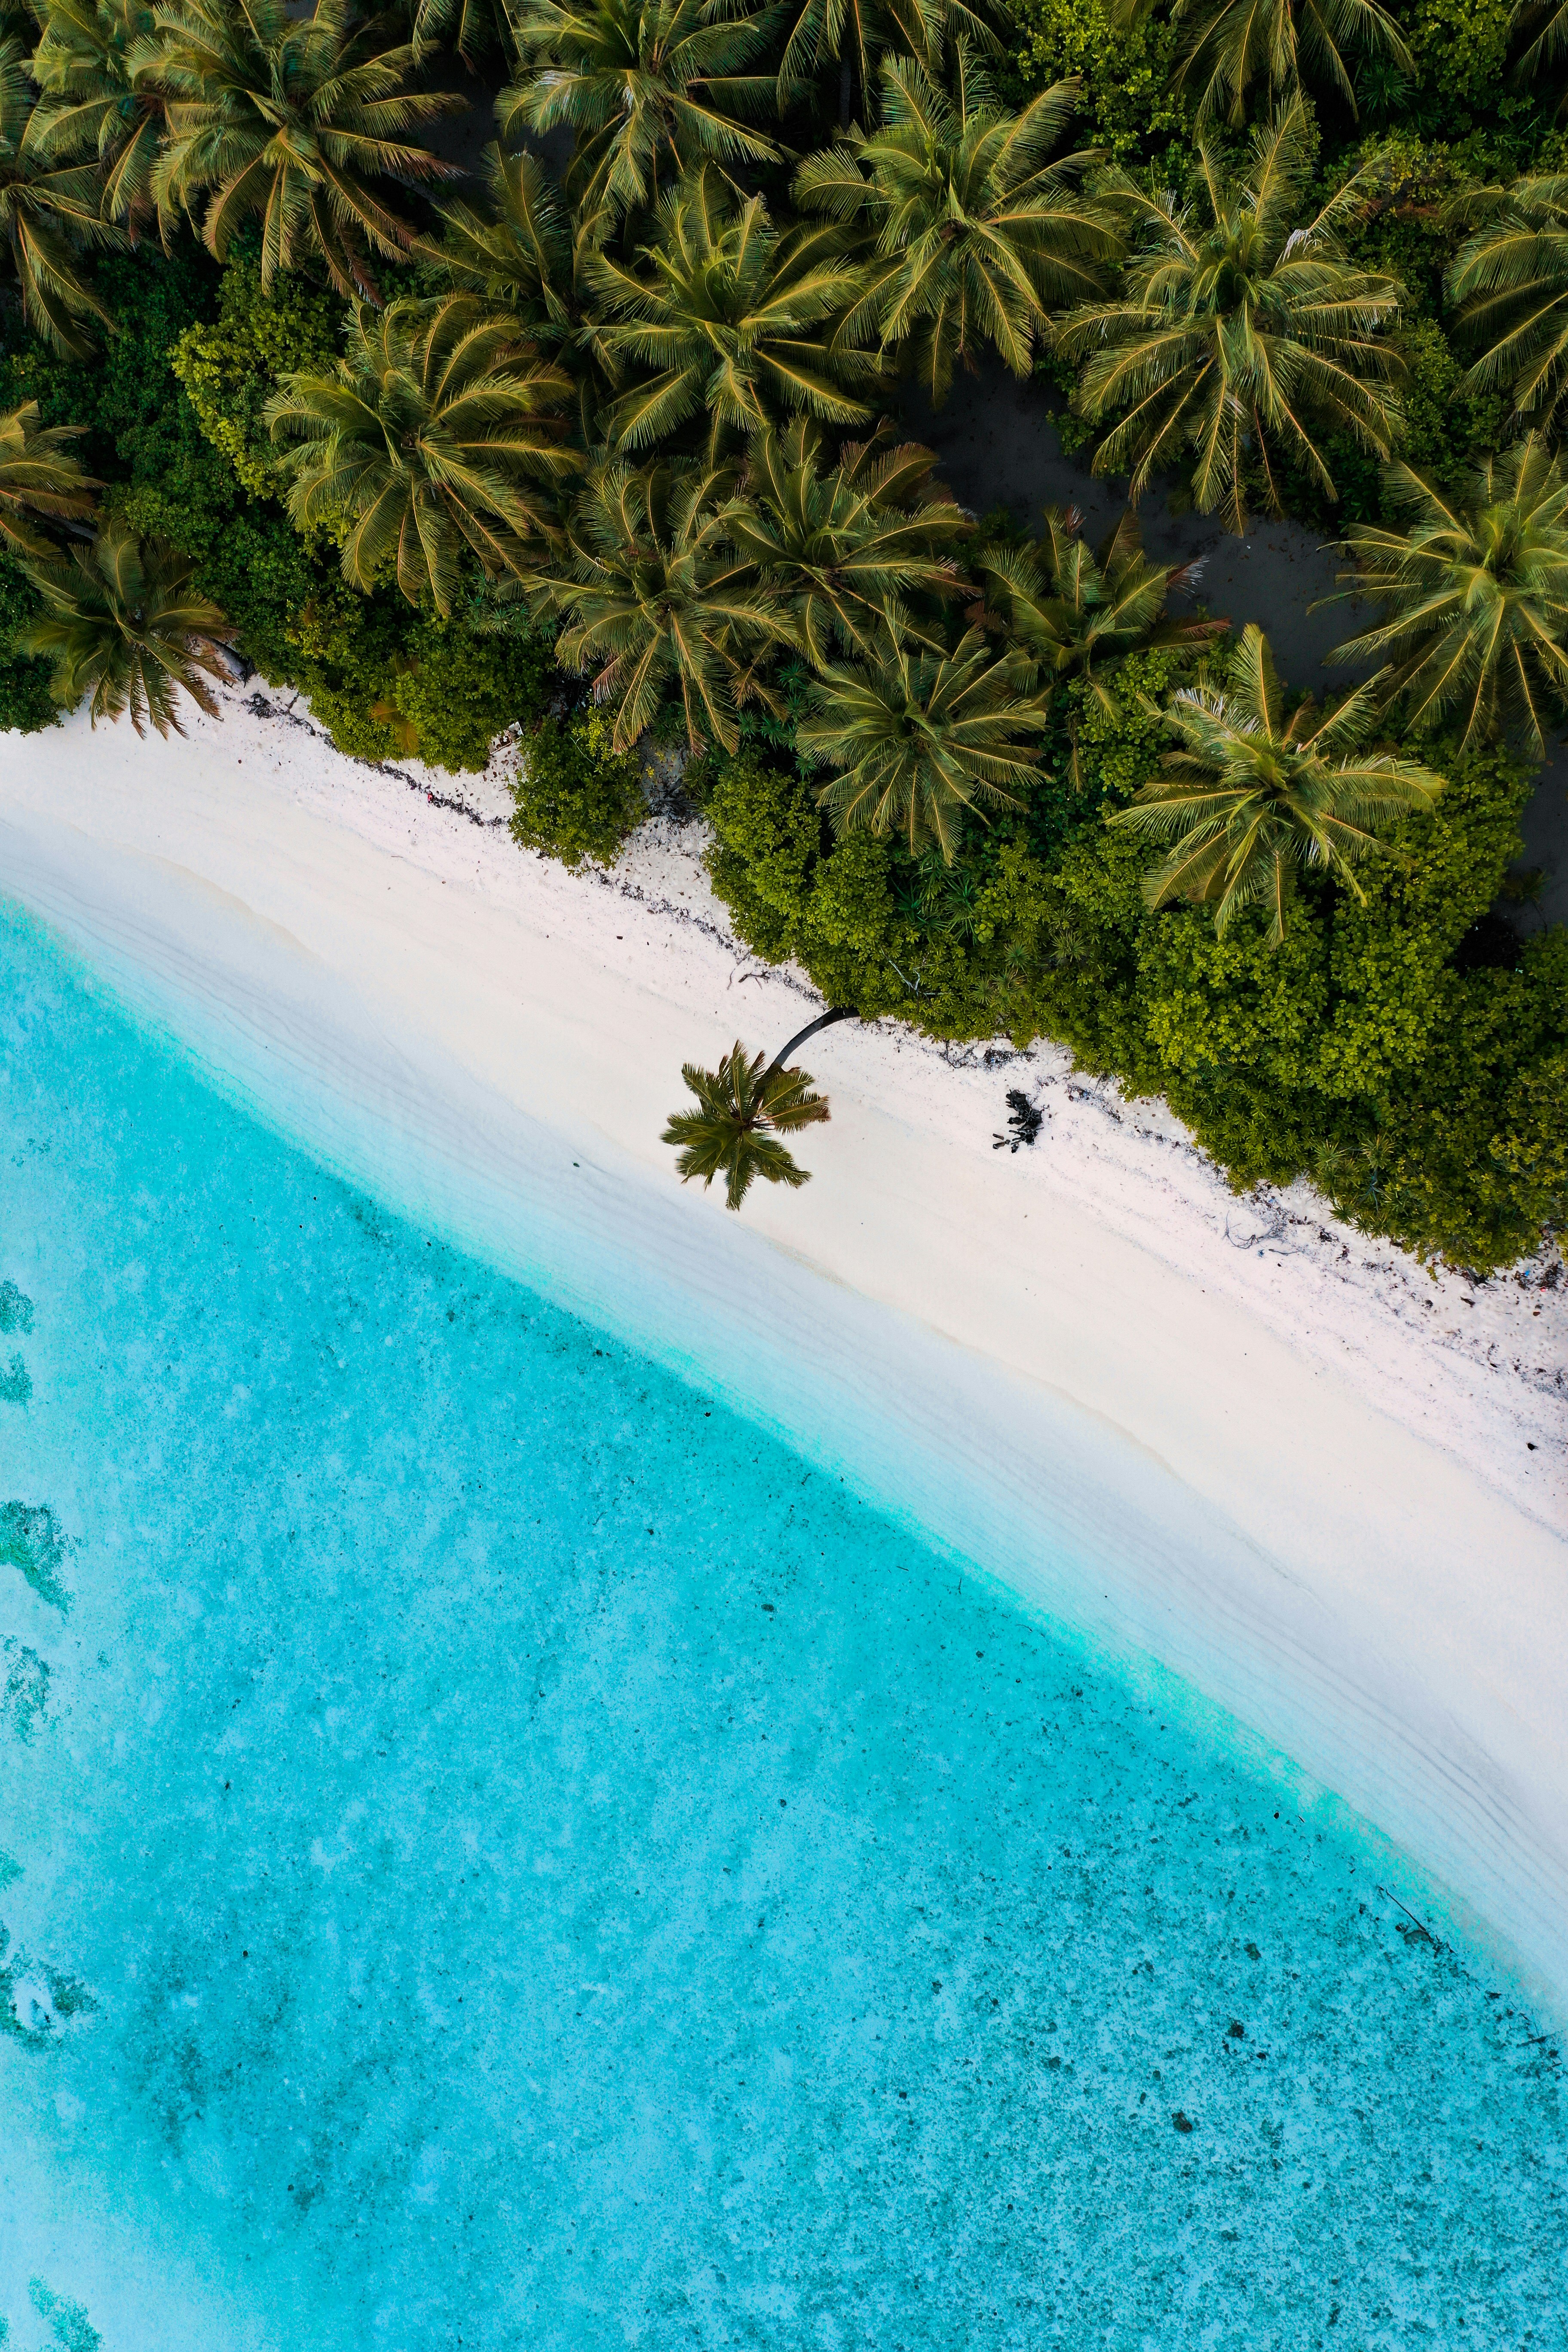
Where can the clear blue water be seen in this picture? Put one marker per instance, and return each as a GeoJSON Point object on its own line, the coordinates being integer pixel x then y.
{"type": "Point", "coordinates": [508, 1855]}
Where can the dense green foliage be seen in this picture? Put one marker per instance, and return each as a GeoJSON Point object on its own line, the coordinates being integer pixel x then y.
{"type": "Point", "coordinates": [617, 460]}
{"type": "Point", "coordinates": [576, 797]}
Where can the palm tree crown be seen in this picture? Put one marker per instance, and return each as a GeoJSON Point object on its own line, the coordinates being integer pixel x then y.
{"type": "Point", "coordinates": [861, 32]}
{"type": "Point", "coordinates": [88, 110]}
{"type": "Point", "coordinates": [125, 626]}
{"type": "Point", "coordinates": [1475, 592]}
{"type": "Point", "coordinates": [39, 475]}
{"type": "Point", "coordinates": [430, 435]}
{"type": "Point", "coordinates": [517, 250]}
{"type": "Point", "coordinates": [728, 315]}
{"type": "Point", "coordinates": [654, 599]}
{"type": "Point", "coordinates": [1232, 45]}
{"type": "Point", "coordinates": [841, 542]}
{"type": "Point", "coordinates": [1237, 339]}
{"type": "Point", "coordinates": [649, 86]}
{"type": "Point", "coordinates": [741, 1112]}
{"type": "Point", "coordinates": [289, 121]}
{"type": "Point", "coordinates": [50, 210]}
{"type": "Point", "coordinates": [1251, 796]}
{"type": "Point", "coordinates": [1071, 611]}
{"type": "Point", "coordinates": [977, 231]}
{"type": "Point", "coordinates": [1508, 282]}
{"type": "Point", "coordinates": [918, 737]}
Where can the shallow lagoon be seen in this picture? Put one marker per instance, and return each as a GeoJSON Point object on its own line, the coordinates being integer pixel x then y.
{"type": "Point", "coordinates": [511, 1855]}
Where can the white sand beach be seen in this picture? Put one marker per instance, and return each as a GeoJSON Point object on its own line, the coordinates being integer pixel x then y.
{"type": "Point", "coordinates": [1222, 1434]}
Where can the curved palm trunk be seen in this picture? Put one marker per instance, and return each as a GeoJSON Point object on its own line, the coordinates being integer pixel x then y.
{"type": "Point", "coordinates": [822, 1021]}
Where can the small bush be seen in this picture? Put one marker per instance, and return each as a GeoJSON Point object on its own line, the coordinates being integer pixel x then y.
{"type": "Point", "coordinates": [576, 799]}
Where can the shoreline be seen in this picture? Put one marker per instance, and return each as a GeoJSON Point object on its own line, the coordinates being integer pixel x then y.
{"type": "Point", "coordinates": [1222, 1434]}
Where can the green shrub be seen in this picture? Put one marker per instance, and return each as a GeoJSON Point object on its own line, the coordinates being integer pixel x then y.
{"type": "Point", "coordinates": [230, 365]}
{"type": "Point", "coordinates": [575, 798]}
{"type": "Point", "coordinates": [1128, 106]}
{"type": "Point", "coordinates": [25, 702]}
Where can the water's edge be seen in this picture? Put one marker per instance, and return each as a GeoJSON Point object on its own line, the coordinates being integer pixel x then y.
{"type": "Point", "coordinates": [1062, 1511]}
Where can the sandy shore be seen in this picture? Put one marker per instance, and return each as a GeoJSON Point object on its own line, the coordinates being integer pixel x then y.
{"type": "Point", "coordinates": [1220, 1434]}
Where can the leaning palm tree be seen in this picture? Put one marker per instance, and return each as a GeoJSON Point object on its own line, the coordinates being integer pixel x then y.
{"type": "Point", "coordinates": [1071, 611]}
{"type": "Point", "coordinates": [1508, 282]}
{"type": "Point", "coordinates": [1476, 597]}
{"type": "Point", "coordinates": [88, 111]}
{"type": "Point", "coordinates": [124, 626]}
{"type": "Point", "coordinates": [728, 319]}
{"type": "Point", "coordinates": [437, 430]}
{"type": "Point", "coordinates": [654, 601]}
{"type": "Point", "coordinates": [649, 87]}
{"type": "Point", "coordinates": [1233, 48]}
{"type": "Point", "coordinates": [840, 542]}
{"type": "Point", "coordinates": [741, 1112]}
{"type": "Point", "coordinates": [917, 738]}
{"type": "Point", "coordinates": [40, 475]}
{"type": "Point", "coordinates": [1252, 796]}
{"type": "Point", "coordinates": [289, 121]}
{"type": "Point", "coordinates": [977, 227]}
{"type": "Point", "coordinates": [1239, 341]}
{"type": "Point", "coordinates": [49, 219]}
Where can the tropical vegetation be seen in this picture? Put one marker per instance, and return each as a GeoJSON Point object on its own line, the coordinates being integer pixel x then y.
{"type": "Point", "coordinates": [619, 452]}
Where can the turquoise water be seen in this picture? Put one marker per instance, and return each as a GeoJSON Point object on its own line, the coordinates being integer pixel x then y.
{"type": "Point", "coordinates": [508, 1855]}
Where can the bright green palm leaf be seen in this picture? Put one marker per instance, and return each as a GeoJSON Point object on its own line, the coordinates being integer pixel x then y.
{"type": "Point", "coordinates": [39, 475]}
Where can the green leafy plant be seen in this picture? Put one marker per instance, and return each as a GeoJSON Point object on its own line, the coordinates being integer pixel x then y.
{"type": "Point", "coordinates": [840, 542]}
{"type": "Point", "coordinates": [1235, 48]}
{"type": "Point", "coordinates": [288, 121]}
{"type": "Point", "coordinates": [40, 475]}
{"type": "Point", "coordinates": [741, 1112]}
{"type": "Point", "coordinates": [1475, 594]}
{"type": "Point", "coordinates": [1508, 283]}
{"type": "Point", "coordinates": [88, 111]}
{"type": "Point", "coordinates": [434, 432]}
{"type": "Point", "coordinates": [49, 219]}
{"type": "Point", "coordinates": [977, 226]}
{"type": "Point", "coordinates": [231, 366]}
{"type": "Point", "coordinates": [727, 319]}
{"type": "Point", "coordinates": [649, 87]}
{"type": "Point", "coordinates": [577, 798]}
{"type": "Point", "coordinates": [652, 600]}
{"type": "Point", "coordinates": [126, 631]}
{"type": "Point", "coordinates": [1253, 794]}
{"type": "Point", "coordinates": [917, 738]}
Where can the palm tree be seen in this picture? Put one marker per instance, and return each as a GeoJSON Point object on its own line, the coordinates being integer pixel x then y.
{"type": "Point", "coordinates": [918, 737]}
{"type": "Point", "coordinates": [39, 475]}
{"type": "Point", "coordinates": [1252, 796]}
{"type": "Point", "coordinates": [653, 599]}
{"type": "Point", "coordinates": [743, 1109]}
{"type": "Point", "coordinates": [433, 433]}
{"type": "Point", "coordinates": [1071, 611]}
{"type": "Point", "coordinates": [649, 87]}
{"type": "Point", "coordinates": [1238, 339]}
{"type": "Point", "coordinates": [517, 252]}
{"type": "Point", "coordinates": [730, 317]}
{"type": "Point", "coordinates": [289, 120]}
{"type": "Point", "coordinates": [859, 32]}
{"type": "Point", "coordinates": [977, 232]}
{"type": "Point", "coordinates": [125, 626]}
{"type": "Point", "coordinates": [1475, 597]}
{"type": "Point", "coordinates": [1508, 282]}
{"type": "Point", "coordinates": [48, 214]}
{"type": "Point", "coordinates": [89, 108]}
{"type": "Point", "coordinates": [840, 543]}
{"type": "Point", "coordinates": [1233, 44]}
